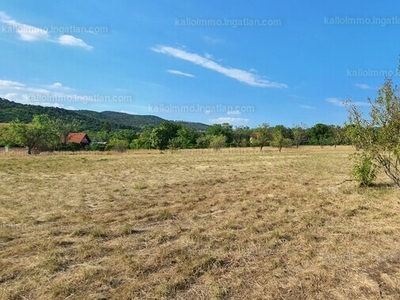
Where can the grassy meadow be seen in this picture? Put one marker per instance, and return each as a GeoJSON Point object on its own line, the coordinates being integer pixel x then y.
{"type": "Point", "coordinates": [196, 224]}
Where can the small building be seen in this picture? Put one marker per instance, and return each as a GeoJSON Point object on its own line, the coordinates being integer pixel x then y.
{"type": "Point", "coordinates": [80, 138]}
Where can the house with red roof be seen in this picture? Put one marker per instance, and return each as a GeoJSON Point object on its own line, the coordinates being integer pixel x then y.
{"type": "Point", "coordinates": [80, 138]}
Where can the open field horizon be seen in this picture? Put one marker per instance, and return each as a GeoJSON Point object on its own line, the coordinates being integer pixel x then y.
{"type": "Point", "coordinates": [229, 224]}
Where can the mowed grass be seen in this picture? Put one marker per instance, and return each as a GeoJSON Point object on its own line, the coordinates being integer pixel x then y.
{"type": "Point", "coordinates": [232, 224]}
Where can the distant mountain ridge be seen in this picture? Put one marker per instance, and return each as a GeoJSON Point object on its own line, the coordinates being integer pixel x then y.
{"type": "Point", "coordinates": [90, 120]}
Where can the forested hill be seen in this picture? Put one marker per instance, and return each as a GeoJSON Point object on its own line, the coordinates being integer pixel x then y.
{"type": "Point", "coordinates": [90, 120]}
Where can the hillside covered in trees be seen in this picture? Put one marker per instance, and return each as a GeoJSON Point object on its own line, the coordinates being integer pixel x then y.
{"type": "Point", "coordinates": [89, 120]}
{"type": "Point", "coordinates": [37, 127]}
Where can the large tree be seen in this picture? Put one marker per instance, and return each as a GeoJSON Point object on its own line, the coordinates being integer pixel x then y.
{"type": "Point", "coordinates": [241, 136]}
{"type": "Point", "coordinates": [280, 139]}
{"type": "Point", "coordinates": [161, 136]}
{"type": "Point", "coordinates": [262, 136]}
{"type": "Point", "coordinates": [40, 134]}
{"type": "Point", "coordinates": [221, 129]}
{"type": "Point", "coordinates": [186, 138]}
{"type": "Point", "coordinates": [321, 134]}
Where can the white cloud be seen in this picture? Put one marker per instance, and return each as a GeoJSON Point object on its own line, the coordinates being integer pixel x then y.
{"type": "Point", "coordinates": [10, 84]}
{"type": "Point", "coordinates": [56, 85]}
{"type": "Point", "coordinates": [335, 101]}
{"type": "Point", "coordinates": [341, 103]}
{"type": "Point", "coordinates": [240, 75]}
{"type": "Point", "coordinates": [31, 33]}
{"type": "Point", "coordinates": [363, 86]}
{"type": "Point", "coordinates": [22, 93]}
{"type": "Point", "coordinates": [208, 55]}
{"type": "Point", "coordinates": [232, 121]}
{"type": "Point", "coordinates": [69, 40]}
{"type": "Point", "coordinates": [180, 73]}
{"type": "Point", "coordinates": [25, 32]}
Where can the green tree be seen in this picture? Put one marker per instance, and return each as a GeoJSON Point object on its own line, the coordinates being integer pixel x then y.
{"type": "Point", "coordinates": [203, 142]}
{"type": "Point", "coordinates": [126, 135]}
{"type": "Point", "coordinates": [320, 134]}
{"type": "Point", "coordinates": [299, 134]}
{"type": "Point", "coordinates": [279, 140]}
{"type": "Point", "coordinates": [117, 145]}
{"type": "Point", "coordinates": [378, 136]}
{"type": "Point", "coordinates": [106, 127]}
{"type": "Point", "coordinates": [162, 134]}
{"type": "Point", "coordinates": [40, 134]}
{"type": "Point", "coordinates": [143, 140]}
{"type": "Point", "coordinates": [221, 129]}
{"type": "Point", "coordinates": [217, 142]}
{"type": "Point", "coordinates": [241, 136]}
{"type": "Point", "coordinates": [263, 136]}
{"type": "Point", "coordinates": [185, 139]}
{"type": "Point", "coordinates": [6, 138]}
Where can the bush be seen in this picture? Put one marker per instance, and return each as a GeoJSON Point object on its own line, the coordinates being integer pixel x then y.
{"type": "Point", "coordinates": [217, 142]}
{"type": "Point", "coordinates": [117, 145]}
{"type": "Point", "coordinates": [364, 171]}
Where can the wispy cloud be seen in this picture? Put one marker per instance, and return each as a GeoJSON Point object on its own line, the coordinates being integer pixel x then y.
{"type": "Point", "coordinates": [58, 86]}
{"type": "Point", "coordinates": [232, 121]}
{"type": "Point", "coordinates": [176, 72]}
{"type": "Point", "coordinates": [237, 74]}
{"type": "Point", "coordinates": [24, 31]}
{"type": "Point", "coordinates": [212, 41]}
{"type": "Point", "coordinates": [31, 33]}
{"type": "Point", "coordinates": [69, 40]}
{"type": "Point", "coordinates": [335, 101]}
{"type": "Point", "coordinates": [208, 55]}
{"type": "Point", "coordinates": [363, 86]}
{"type": "Point", "coordinates": [54, 95]}
{"type": "Point", "coordinates": [342, 103]}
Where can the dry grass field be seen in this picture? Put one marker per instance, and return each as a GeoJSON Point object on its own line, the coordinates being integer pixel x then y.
{"type": "Point", "coordinates": [232, 224]}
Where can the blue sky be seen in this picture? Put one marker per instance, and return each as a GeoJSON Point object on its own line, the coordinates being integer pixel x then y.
{"type": "Point", "coordinates": [245, 63]}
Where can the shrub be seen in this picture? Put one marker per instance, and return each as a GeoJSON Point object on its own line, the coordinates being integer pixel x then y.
{"type": "Point", "coordinates": [364, 171]}
{"type": "Point", "coordinates": [117, 145]}
{"type": "Point", "coordinates": [217, 142]}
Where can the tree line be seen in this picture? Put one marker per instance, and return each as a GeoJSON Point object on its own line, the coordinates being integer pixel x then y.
{"type": "Point", "coordinates": [46, 133]}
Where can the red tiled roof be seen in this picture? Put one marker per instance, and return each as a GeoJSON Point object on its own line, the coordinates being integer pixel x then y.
{"type": "Point", "coordinates": [77, 137]}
